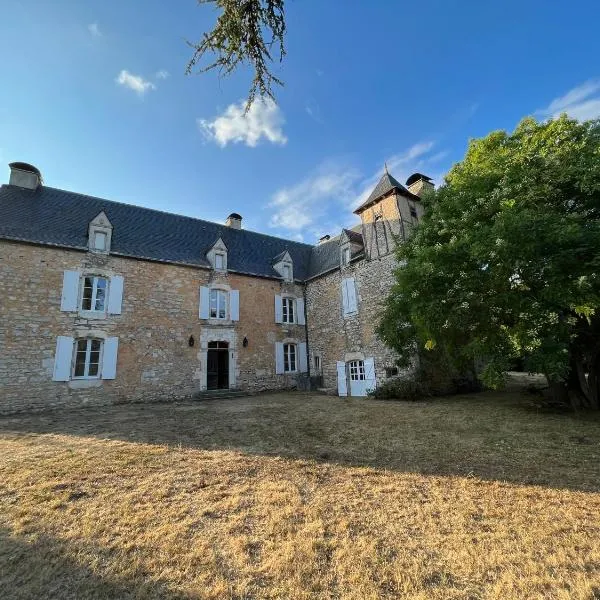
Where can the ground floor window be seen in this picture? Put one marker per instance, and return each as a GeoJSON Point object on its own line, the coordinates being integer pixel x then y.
{"type": "Point", "coordinates": [289, 358]}
{"type": "Point", "coordinates": [317, 361]}
{"type": "Point", "coordinates": [357, 370]}
{"type": "Point", "coordinates": [87, 358]}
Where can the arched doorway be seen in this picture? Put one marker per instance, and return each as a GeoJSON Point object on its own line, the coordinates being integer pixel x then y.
{"type": "Point", "coordinates": [217, 366]}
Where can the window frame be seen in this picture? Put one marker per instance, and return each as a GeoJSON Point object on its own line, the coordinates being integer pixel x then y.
{"type": "Point", "coordinates": [288, 302]}
{"type": "Point", "coordinates": [104, 236]}
{"type": "Point", "coordinates": [219, 256]}
{"type": "Point", "coordinates": [88, 351]}
{"type": "Point", "coordinates": [346, 256]}
{"type": "Point", "coordinates": [290, 354]}
{"type": "Point", "coordinates": [219, 293]}
{"type": "Point", "coordinates": [287, 272]}
{"type": "Point", "coordinates": [94, 296]}
{"type": "Point", "coordinates": [356, 370]}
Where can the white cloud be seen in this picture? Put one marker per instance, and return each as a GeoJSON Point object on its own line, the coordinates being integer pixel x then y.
{"type": "Point", "coordinates": [263, 119]}
{"type": "Point", "coordinates": [94, 30]}
{"type": "Point", "coordinates": [162, 74]}
{"type": "Point", "coordinates": [134, 82]}
{"type": "Point", "coordinates": [581, 103]}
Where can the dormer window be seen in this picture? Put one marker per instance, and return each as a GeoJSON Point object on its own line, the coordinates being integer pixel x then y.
{"type": "Point", "coordinates": [287, 272]}
{"type": "Point", "coordinates": [284, 265]}
{"type": "Point", "coordinates": [217, 256]}
{"type": "Point", "coordinates": [100, 234]}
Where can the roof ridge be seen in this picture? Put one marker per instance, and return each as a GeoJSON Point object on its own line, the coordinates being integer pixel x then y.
{"type": "Point", "coordinates": [171, 214]}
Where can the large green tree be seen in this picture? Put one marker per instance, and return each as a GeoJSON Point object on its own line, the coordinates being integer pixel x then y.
{"type": "Point", "coordinates": [506, 261]}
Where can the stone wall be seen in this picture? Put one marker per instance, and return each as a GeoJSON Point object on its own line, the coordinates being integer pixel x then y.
{"type": "Point", "coordinates": [159, 314]}
{"type": "Point", "coordinates": [338, 338]}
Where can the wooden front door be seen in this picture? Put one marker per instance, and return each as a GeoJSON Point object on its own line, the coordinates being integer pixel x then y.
{"type": "Point", "coordinates": [217, 369]}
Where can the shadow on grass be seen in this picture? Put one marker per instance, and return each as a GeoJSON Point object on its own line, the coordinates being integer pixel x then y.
{"type": "Point", "coordinates": [44, 567]}
{"type": "Point", "coordinates": [492, 436]}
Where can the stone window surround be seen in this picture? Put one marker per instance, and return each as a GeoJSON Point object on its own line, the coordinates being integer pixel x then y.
{"type": "Point", "coordinates": [219, 248]}
{"type": "Point", "coordinates": [224, 287]}
{"type": "Point", "coordinates": [95, 272]}
{"type": "Point", "coordinates": [292, 299]}
{"type": "Point", "coordinates": [288, 354]}
{"type": "Point", "coordinates": [78, 384]}
{"type": "Point", "coordinates": [88, 339]}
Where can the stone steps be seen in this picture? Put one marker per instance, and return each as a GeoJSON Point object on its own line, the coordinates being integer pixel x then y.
{"type": "Point", "coordinates": [221, 394]}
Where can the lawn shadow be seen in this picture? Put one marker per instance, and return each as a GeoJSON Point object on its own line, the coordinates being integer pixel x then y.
{"type": "Point", "coordinates": [492, 436]}
{"type": "Point", "coordinates": [44, 567]}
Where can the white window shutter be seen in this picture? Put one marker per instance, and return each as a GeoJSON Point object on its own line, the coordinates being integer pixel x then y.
{"type": "Point", "coordinates": [109, 358]}
{"type": "Point", "coordinates": [62, 358]}
{"type": "Point", "coordinates": [370, 381]}
{"type": "Point", "coordinates": [302, 358]}
{"type": "Point", "coordinates": [351, 294]}
{"type": "Point", "coordinates": [278, 358]}
{"type": "Point", "coordinates": [203, 308]}
{"type": "Point", "coordinates": [115, 295]}
{"type": "Point", "coordinates": [278, 310]}
{"type": "Point", "coordinates": [300, 311]}
{"type": "Point", "coordinates": [70, 291]}
{"type": "Point", "coordinates": [234, 305]}
{"type": "Point", "coordinates": [341, 377]}
{"type": "Point", "coordinates": [345, 296]}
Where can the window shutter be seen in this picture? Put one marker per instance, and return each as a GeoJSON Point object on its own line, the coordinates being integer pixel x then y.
{"type": "Point", "coordinates": [109, 358]}
{"type": "Point", "coordinates": [341, 377]}
{"type": "Point", "coordinates": [300, 311]}
{"type": "Point", "coordinates": [62, 358]}
{"type": "Point", "coordinates": [115, 295]}
{"type": "Point", "coordinates": [302, 358]}
{"type": "Point", "coordinates": [278, 358]}
{"type": "Point", "coordinates": [203, 308]}
{"type": "Point", "coordinates": [370, 381]}
{"type": "Point", "coordinates": [345, 296]}
{"type": "Point", "coordinates": [70, 291]}
{"type": "Point", "coordinates": [234, 305]}
{"type": "Point", "coordinates": [278, 310]}
{"type": "Point", "coordinates": [351, 295]}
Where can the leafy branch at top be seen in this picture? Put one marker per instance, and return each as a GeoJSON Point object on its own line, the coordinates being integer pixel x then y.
{"type": "Point", "coordinates": [246, 32]}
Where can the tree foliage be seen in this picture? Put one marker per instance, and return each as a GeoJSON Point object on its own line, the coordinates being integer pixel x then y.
{"type": "Point", "coordinates": [506, 261]}
{"type": "Point", "coordinates": [246, 32]}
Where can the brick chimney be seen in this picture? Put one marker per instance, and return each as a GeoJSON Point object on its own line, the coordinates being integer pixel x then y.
{"type": "Point", "coordinates": [24, 175]}
{"type": "Point", "coordinates": [419, 184]}
{"type": "Point", "coordinates": [234, 221]}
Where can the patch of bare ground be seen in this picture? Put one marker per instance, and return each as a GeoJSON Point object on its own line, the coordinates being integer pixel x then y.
{"type": "Point", "coordinates": [301, 496]}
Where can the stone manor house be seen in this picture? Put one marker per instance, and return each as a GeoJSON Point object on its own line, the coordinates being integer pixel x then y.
{"type": "Point", "coordinates": [104, 302]}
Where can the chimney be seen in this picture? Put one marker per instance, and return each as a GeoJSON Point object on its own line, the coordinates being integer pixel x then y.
{"type": "Point", "coordinates": [24, 175]}
{"type": "Point", "coordinates": [234, 221]}
{"type": "Point", "coordinates": [419, 184]}
{"type": "Point", "coordinates": [324, 239]}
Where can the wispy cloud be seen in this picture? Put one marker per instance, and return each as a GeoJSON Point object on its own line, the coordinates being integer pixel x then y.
{"type": "Point", "coordinates": [301, 205]}
{"type": "Point", "coordinates": [264, 119]}
{"type": "Point", "coordinates": [162, 74]}
{"type": "Point", "coordinates": [323, 201]}
{"type": "Point", "coordinates": [134, 82]}
{"type": "Point", "coordinates": [581, 102]}
{"type": "Point", "coordinates": [400, 165]}
{"type": "Point", "coordinates": [94, 30]}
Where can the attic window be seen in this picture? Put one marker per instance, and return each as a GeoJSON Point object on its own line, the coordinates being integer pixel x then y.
{"type": "Point", "coordinates": [287, 272]}
{"type": "Point", "coordinates": [219, 261]}
{"type": "Point", "coordinates": [346, 256]}
{"type": "Point", "coordinates": [100, 240]}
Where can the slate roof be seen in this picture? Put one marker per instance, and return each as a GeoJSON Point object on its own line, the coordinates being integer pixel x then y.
{"type": "Point", "coordinates": [386, 184]}
{"type": "Point", "coordinates": [326, 256]}
{"type": "Point", "coordinates": [61, 218]}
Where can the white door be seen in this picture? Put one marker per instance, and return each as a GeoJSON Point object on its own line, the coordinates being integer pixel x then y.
{"type": "Point", "coordinates": [358, 380]}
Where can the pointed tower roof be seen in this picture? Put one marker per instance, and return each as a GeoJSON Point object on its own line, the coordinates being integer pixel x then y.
{"type": "Point", "coordinates": [386, 184]}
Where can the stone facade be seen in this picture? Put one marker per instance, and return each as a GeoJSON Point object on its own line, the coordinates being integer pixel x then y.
{"type": "Point", "coordinates": [159, 314]}
{"type": "Point", "coordinates": [158, 335]}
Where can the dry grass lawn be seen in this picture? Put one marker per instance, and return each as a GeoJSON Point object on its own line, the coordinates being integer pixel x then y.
{"type": "Point", "coordinates": [301, 496]}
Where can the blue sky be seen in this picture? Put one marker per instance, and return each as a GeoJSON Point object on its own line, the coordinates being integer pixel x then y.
{"type": "Point", "coordinates": [94, 94]}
